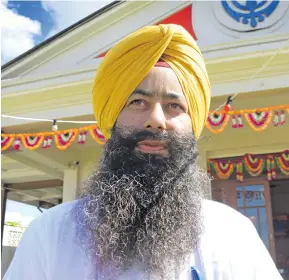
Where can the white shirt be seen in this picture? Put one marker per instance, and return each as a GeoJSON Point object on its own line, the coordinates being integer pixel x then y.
{"type": "Point", "coordinates": [230, 249]}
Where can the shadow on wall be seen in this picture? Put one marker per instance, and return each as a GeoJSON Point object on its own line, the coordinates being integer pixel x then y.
{"type": "Point", "coordinates": [7, 256]}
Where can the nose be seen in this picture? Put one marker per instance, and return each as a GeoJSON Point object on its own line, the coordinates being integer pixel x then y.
{"type": "Point", "coordinates": [156, 118]}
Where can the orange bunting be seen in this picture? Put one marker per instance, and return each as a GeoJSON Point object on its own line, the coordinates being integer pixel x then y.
{"type": "Point", "coordinates": [258, 119]}
{"type": "Point", "coordinates": [213, 122]}
{"type": "Point", "coordinates": [6, 142]}
{"type": "Point", "coordinates": [32, 142]}
{"type": "Point", "coordinates": [97, 135]}
{"type": "Point", "coordinates": [62, 139]}
{"type": "Point", "coordinates": [256, 110]}
{"type": "Point", "coordinates": [223, 169]}
{"type": "Point", "coordinates": [255, 165]}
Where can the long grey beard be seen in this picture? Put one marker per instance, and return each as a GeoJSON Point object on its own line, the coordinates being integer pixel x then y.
{"type": "Point", "coordinates": [151, 218]}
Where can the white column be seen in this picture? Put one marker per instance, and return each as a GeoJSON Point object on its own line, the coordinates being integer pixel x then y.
{"type": "Point", "coordinates": [89, 161]}
{"type": "Point", "coordinates": [204, 165]}
{"type": "Point", "coordinates": [70, 184]}
{"type": "Point", "coordinates": [203, 159]}
{"type": "Point", "coordinates": [85, 169]}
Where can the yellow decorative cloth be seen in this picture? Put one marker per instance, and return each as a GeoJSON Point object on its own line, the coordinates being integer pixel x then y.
{"type": "Point", "coordinates": [130, 61]}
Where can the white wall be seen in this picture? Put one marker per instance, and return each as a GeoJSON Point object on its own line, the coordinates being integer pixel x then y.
{"type": "Point", "coordinates": [6, 258]}
{"type": "Point", "coordinates": [213, 25]}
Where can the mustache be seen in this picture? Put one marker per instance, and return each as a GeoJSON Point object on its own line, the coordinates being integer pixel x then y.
{"type": "Point", "coordinates": [129, 136]}
{"type": "Point", "coordinates": [133, 136]}
{"type": "Point", "coordinates": [120, 151]}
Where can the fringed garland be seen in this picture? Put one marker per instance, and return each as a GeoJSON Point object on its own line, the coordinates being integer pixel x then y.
{"type": "Point", "coordinates": [97, 135]}
{"type": "Point", "coordinates": [216, 122]}
{"type": "Point", "coordinates": [62, 139]}
{"type": "Point", "coordinates": [283, 163]}
{"type": "Point", "coordinates": [6, 142]}
{"type": "Point", "coordinates": [258, 119]}
{"type": "Point", "coordinates": [255, 165]}
{"type": "Point", "coordinates": [223, 169]}
{"type": "Point", "coordinates": [271, 171]}
{"type": "Point", "coordinates": [239, 171]}
{"type": "Point", "coordinates": [47, 142]}
{"type": "Point", "coordinates": [237, 121]}
{"type": "Point", "coordinates": [32, 142]}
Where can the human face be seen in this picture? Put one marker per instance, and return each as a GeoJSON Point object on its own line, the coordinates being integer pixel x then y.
{"type": "Point", "coordinates": [157, 104]}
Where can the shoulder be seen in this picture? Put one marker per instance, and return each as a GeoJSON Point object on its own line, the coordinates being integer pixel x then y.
{"type": "Point", "coordinates": [53, 220]}
{"type": "Point", "coordinates": [57, 213]}
{"type": "Point", "coordinates": [229, 236]}
{"type": "Point", "coordinates": [224, 219]}
{"type": "Point", "coordinates": [60, 211]}
{"type": "Point", "coordinates": [226, 231]}
{"type": "Point", "coordinates": [216, 210]}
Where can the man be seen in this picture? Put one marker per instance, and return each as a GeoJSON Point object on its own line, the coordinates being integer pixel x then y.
{"type": "Point", "coordinates": [143, 214]}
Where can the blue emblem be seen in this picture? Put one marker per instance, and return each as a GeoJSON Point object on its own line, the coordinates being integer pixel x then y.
{"type": "Point", "coordinates": [250, 12]}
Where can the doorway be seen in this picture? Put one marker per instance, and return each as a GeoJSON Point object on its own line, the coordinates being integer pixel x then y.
{"type": "Point", "coordinates": [279, 191]}
{"type": "Point", "coordinates": [252, 199]}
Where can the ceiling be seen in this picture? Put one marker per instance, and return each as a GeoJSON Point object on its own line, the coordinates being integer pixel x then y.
{"type": "Point", "coordinates": [36, 176]}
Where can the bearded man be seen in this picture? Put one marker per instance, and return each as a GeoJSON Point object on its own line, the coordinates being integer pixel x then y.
{"type": "Point", "coordinates": [143, 213]}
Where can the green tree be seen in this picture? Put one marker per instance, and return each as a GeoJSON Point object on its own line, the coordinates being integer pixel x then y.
{"type": "Point", "coordinates": [14, 224]}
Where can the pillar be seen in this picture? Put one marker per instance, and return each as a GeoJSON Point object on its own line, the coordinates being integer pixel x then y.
{"type": "Point", "coordinates": [89, 161]}
{"type": "Point", "coordinates": [203, 159]}
{"type": "Point", "coordinates": [85, 169]}
{"type": "Point", "coordinates": [204, 166]}
{"type": "Point", "coordinates": [70, 181]}
{"type": "Point", "coordinates": [4, 193]}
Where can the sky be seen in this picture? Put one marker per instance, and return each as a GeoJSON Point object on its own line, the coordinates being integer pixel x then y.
{"type": "Point", "coordinates": [20, 212]}
{"type": "Point", "coordinates": [25, 24]}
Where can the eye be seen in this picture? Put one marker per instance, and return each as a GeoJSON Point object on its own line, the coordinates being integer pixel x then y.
{"type": "Point", "coordinates": [176, 106]}
{"type": "Point", "coordinates": [137, 103]}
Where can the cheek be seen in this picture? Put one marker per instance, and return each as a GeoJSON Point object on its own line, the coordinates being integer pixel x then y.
{"type": "Point", "coordinates": [127, 118]}
{"type": "Point", "coordinates": [182, 124]}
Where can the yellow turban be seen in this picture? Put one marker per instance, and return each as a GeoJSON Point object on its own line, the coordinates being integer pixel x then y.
{"type": "Point", "coordinates": [130, 61]}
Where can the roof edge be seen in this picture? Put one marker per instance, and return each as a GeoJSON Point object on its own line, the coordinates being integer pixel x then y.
{"type": "Point", "coordinates": [62, 33]}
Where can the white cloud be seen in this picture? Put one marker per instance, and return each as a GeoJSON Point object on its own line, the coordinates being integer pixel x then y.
{"type": "Point", "coordinates": [17, 32]}
{"type": "Point", "coordinates": [66, 13]}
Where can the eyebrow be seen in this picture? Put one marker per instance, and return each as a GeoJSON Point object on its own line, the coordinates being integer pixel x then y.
{"type": "Point", "coordinates": [167, 95]}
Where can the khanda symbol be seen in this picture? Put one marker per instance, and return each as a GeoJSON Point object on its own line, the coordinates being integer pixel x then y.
{"type": "Point", "coordinates": [249, 12]}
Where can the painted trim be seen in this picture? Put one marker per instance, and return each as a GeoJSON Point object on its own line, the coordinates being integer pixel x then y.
{"type": "Point", "coordinates": [22, 86]}
{"type": "Point", "coordinates": [79, 105]}
{"type": "Point", "coordinates": [87, 30]}
{"type": "Point", "coordinates": [62, 33]}
{"type": "Point", "coordinates": [247, 42]}
{"type": "Point", "coordinates": [257, 149]}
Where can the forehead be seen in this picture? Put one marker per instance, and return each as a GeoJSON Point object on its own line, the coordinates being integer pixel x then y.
{"type": "Point", "coordinates": [161, 80]}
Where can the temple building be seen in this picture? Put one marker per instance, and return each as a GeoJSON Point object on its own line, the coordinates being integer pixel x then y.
{"type": "Point", "coordinates": [245, 149]}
